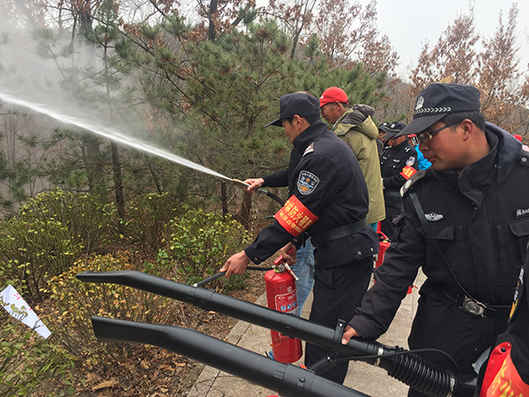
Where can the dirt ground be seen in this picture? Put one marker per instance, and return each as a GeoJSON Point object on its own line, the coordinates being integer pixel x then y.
{"type": "Point", "coordinates": [160, 372]}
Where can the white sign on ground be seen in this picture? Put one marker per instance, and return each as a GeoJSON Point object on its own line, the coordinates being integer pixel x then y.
{"type": "Point", "coordinates": [17, 307]}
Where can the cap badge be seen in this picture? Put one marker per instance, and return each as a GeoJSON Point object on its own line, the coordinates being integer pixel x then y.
{"type": "Point", "coordinates": [420, 102]}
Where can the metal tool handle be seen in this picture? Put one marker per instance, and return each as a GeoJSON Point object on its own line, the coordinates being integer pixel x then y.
{"type": "Point", "coordinates": [208, 279]}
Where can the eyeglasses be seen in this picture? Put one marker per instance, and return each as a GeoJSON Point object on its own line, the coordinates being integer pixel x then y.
{"type": "Point", "coordinates": [427, 135]}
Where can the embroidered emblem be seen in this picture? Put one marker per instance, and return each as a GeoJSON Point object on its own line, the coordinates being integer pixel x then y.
{"type": "Point", "coordinates": [433, 217]}
{"type": "Point", "coordinates": [522, 212]}
{"type": "Point", "coordinates": [407, 172]}
{"type": "Point", "coordinates": [410, 161]}
{"type": "Point", "coordinates": [307, 182]}
{"type": "Point", "coordinates": [309, 149]}
{"type": "Point", "coordinates": [420, 102]}
{"type": "Point", "coordinates": [294, 217]}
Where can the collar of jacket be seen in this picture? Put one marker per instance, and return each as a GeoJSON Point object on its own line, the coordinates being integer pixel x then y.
{"type": "Point", "coordinates": [474, 179]}
{"type": "Point", "coordinates": [508, 150]}
{"type": "Point", "coordinates": [353, 120]}
{"type": "Point", "coordinates": [307, 137]}
{"type": "Point", "coordinates": [401, 146]}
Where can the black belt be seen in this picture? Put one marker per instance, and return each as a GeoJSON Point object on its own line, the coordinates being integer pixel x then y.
{"type": "Point", "coordinates": [340, 232]}
{"type": "Point", "coordinates": [471, 305]}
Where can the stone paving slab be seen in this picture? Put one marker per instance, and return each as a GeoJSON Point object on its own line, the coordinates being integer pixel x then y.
{"type": "Point", "coordinates": [361, 376]}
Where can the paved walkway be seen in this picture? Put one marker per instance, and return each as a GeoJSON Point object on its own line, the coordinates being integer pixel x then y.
{"type": "Point", "coordinates": [363, 377]}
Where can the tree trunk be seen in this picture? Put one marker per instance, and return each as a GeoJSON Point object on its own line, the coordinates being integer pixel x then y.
{"type": "Point", "coordinates": [154, 175]}
{"type": "Point", "coordinates": [118, 181]}
{"type": "Point", "coordinates": [93, 164]}
{"type": "Point", "coordinates": [211, 17]}
{"type": "Point", "coordinates": [224, 198]}
{"type": "Point", "coordinates": [245, 210]}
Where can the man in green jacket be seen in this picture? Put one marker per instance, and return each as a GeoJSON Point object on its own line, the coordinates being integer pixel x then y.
{"type": "Point", "coordinates": [355, 126]}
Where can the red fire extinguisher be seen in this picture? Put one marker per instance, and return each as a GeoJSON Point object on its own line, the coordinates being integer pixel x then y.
{"type": "Point", "coordinates": [281, 296]}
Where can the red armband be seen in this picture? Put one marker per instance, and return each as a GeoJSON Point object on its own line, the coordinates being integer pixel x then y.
{"type": "Point", "coordinates": [294, 217]}
{"type": "Point", "coordinates": [407, 172]}
{"type": "Point", "coordinates": [501, 377]}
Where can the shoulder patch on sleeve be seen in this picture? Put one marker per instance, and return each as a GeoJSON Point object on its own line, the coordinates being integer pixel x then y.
{"type": "Point", "coordinates": [307, 182]}
{"type": "Point", "coordinates": [309, 149]}
{"type": "Point", "coordinates": [409, 183]}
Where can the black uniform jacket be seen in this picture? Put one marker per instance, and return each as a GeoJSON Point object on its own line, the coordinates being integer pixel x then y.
{"type": "Point", "coordinates": [392, 162]}
{"type": "Point", "coordinates": [324, 176]}
{"type": "Point", "coordinates": [476, 222]}
{"type": "Point", "coordinates": [518, 331]}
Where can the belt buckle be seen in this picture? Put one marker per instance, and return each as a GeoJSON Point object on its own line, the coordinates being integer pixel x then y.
{"type": "Point", "coordinates": [473, 306]}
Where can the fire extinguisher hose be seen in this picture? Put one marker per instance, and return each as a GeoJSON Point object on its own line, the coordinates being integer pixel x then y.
{"type": "Point", "coordinates": [220, 274]}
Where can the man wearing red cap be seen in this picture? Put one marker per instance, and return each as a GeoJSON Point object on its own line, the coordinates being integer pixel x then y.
{"type": "Point", "coordinates": [357, 129]}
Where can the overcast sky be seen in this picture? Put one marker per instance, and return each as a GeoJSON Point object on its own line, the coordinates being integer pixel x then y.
{"type": "Point", "coordinates": [411, 23]}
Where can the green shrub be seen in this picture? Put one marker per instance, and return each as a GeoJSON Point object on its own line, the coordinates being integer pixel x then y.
{"type": "Point", "coordinates": [29, 363]}
{"type": "Point", "coordinates": [73, 302]}
{"type": "Point", "coordinates": [199, 242]}
{"type": "Point", "coordinates": [87, 218]}
{"type": "Point", "coordinates": [31, 250]}
{"type": "Point", "coordinates": [146, 218]}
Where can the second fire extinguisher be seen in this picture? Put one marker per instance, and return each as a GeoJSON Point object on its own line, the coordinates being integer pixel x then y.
{"type": "Point", "coordinates": [281, 296]}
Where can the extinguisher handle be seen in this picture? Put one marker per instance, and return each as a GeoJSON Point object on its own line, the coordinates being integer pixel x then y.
{"type": "Point", "coordinates": [289, 269]}
{"type": "Point", "coordinates": [279, 260]}
{"type": "Point", "coordinates": [208, 279]}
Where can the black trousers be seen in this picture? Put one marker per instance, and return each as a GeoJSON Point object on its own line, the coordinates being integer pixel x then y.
{"type": "Point", "coordinates": [336, 293]}
{"type": "Point", "coordinates": [442, 325]}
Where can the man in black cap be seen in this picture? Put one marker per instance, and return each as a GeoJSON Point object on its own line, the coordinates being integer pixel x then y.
{"type": "Point", "coordinates": [466, 221]}
{"type": "Point", "coordinates": [398, 164]}
{"type": "Point", "coordinates": [329, 202]}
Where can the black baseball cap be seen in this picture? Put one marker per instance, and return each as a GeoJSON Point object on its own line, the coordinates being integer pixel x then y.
{"type": "Point", "coordinates": [438, 100]}
{"type": "Point", "coordinates": [300, 103]}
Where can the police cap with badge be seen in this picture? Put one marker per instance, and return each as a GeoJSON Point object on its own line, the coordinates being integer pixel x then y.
{"type": "Point", "coordinates": [391, 129]}
{"type": "Point", "coordinates": [438, 100]}
{"type": "Point", "coordinates": [300, 103]}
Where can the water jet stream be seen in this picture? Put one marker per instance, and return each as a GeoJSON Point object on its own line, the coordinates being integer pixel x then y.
{"type": "Point", "coordinates": [114, 135]}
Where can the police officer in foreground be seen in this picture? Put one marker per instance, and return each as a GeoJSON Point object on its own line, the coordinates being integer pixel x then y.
{"type": "Point", "coordinates": [397, 164]}
{"type": "Point", "coordinates": [329, 201]}
{"type": "Point", "coordinates": [466, 221]}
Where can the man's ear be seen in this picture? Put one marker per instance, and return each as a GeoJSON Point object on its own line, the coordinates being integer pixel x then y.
{"type": "Point", "coordinates": [468, 128]}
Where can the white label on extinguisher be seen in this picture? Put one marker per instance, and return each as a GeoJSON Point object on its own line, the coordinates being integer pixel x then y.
{"type": "Point", "coordinates": [286, 303]}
